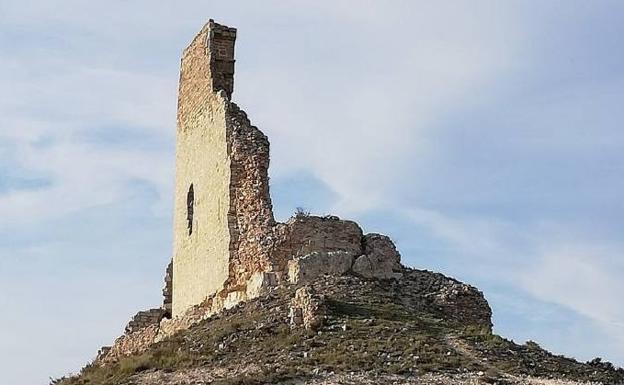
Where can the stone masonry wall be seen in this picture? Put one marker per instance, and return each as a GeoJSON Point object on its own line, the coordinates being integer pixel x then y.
{"type": "Point", "coordinates": [202, 216]}
{"type": "Point", "coordinates": [223, 210]}
{"type": "Point", "coordinates": [224, 229]}
{"type": "Point", "coordinates": [226, 240]}
{"type": "Point", "coordinates": [221, 41]}
{"type": "Point", "coordinates": [207, 67]}
{"type": "Point", "coordinates": [144, 319]}
{"type": "Point", "coordinates": [307, 308]}
{"type": "Point", "coordinates": [251, 211]}
{"type": "Point", "coordinates": [305, 234]}
{"type": "Point", "coordinates": [168, 290]}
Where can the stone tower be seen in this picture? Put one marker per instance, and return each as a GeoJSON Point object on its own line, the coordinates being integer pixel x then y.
{"type": "Point", "coordinates": [222, 205]}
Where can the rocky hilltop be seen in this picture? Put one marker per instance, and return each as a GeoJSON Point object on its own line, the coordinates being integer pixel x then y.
{"type": "Point", "coordinates": [421, 328]}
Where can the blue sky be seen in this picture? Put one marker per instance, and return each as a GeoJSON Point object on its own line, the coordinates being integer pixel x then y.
{"type": "Point", "coordinates": [484, 137]}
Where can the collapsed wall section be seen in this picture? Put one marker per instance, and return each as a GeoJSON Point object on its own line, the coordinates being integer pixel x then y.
{"type": "Point", "coordinates": [252, 212]}
{"type": "Point", "coordinates": [306, 234]}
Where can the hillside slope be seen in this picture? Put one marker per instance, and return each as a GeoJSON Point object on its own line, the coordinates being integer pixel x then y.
{"type": "Point", "coordinates": [422, 329]}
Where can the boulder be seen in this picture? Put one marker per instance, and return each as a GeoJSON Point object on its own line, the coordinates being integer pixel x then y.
{"type": "Point", "coordinates": [381, 259]}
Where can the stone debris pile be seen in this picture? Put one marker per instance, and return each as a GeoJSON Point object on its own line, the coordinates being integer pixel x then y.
{"type": "Point", "coordinates": [307, 309]}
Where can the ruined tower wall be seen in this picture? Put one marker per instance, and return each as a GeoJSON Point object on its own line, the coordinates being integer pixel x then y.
{"type": "Point", "coordinates": [250, 199]}
{"type": "Point", "coordinates": [220, 224]}
{"type": "Point", "coordinates": [201, 217]}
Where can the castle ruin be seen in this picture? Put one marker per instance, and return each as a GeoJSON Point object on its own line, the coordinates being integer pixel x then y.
{"type": "Point", "coordinates": [224, 230]}
{"type": "Point", "coordinates": [227, 246]}
{"type": "Point", "coordinates": [311, 301]}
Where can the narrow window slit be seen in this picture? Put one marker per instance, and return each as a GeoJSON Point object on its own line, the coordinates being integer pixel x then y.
{"type": "Point", "coordinates": [190, 201]}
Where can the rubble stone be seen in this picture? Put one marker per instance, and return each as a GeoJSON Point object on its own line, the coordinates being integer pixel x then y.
{"type": "Point", "coordinates": [307, 309]}
{"type": "Point", "coordinates": [306, 234]}
{"type": "Point", "coordinates": [132, 343]}
{"type": "Point", "coordinates": [144, 319]}
{"type": "Point", "coordinates": [260, 283]}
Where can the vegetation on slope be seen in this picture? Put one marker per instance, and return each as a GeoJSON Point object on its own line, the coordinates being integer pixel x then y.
{"type": "Point", "coordinates": [366, 331]}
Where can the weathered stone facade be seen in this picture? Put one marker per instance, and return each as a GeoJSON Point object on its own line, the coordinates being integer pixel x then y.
{"type": "Point", "coordinates": [318, 263]}
{"type": "Point", "coordinates": [201, 208]}
{"type": "Point", "coordinates": [222, 202]}
{"type": "Point", "coordinates": [251, 219]}
{"type": "Point", "coordinates": [127, 344]}
{"type": "Point", "coordinates": [305, 234]}
{"type": "Point", "coordinates": [224, 229]}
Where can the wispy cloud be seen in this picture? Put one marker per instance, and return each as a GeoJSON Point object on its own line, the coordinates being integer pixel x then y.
{"type": "Point", "coordinates": [583, 277]}
{"type": "Point", "coordinates": [376, 115]}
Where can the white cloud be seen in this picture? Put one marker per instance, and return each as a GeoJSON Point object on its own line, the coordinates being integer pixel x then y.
{"type": "Point", "coordinates": [58, 109]}
{"type": "Point", "coordinates": [82, 176]}
{"type": "Point", "coordinates": [374, 105]}
{"type": "Point", "coordinates": [583, 277]}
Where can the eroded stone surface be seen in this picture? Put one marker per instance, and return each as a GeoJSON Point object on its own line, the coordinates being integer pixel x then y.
{"type": "Point", "coordinates": [260, 283]}
{"type": "Point", "coordinates": [168, 290]}
{"type": "Point", "coordinates": [144, 319]}
{"type": "Point", "coordinates": [307, 308]}
{"type": "Point", "coordinates": [380, 260]}
{"type": "Point", "coordinates": [202, 222]}
{"type": "Point", "coordinates": [224, 230]}
{"type": "Point", "coordinates": [311, 266]}
{"type": "Point", "coordinates": [132, 343]}
{"type": "Point", "coordinates": [222, 205]}
{"type": "Point", "coordinates": [305, 234]}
